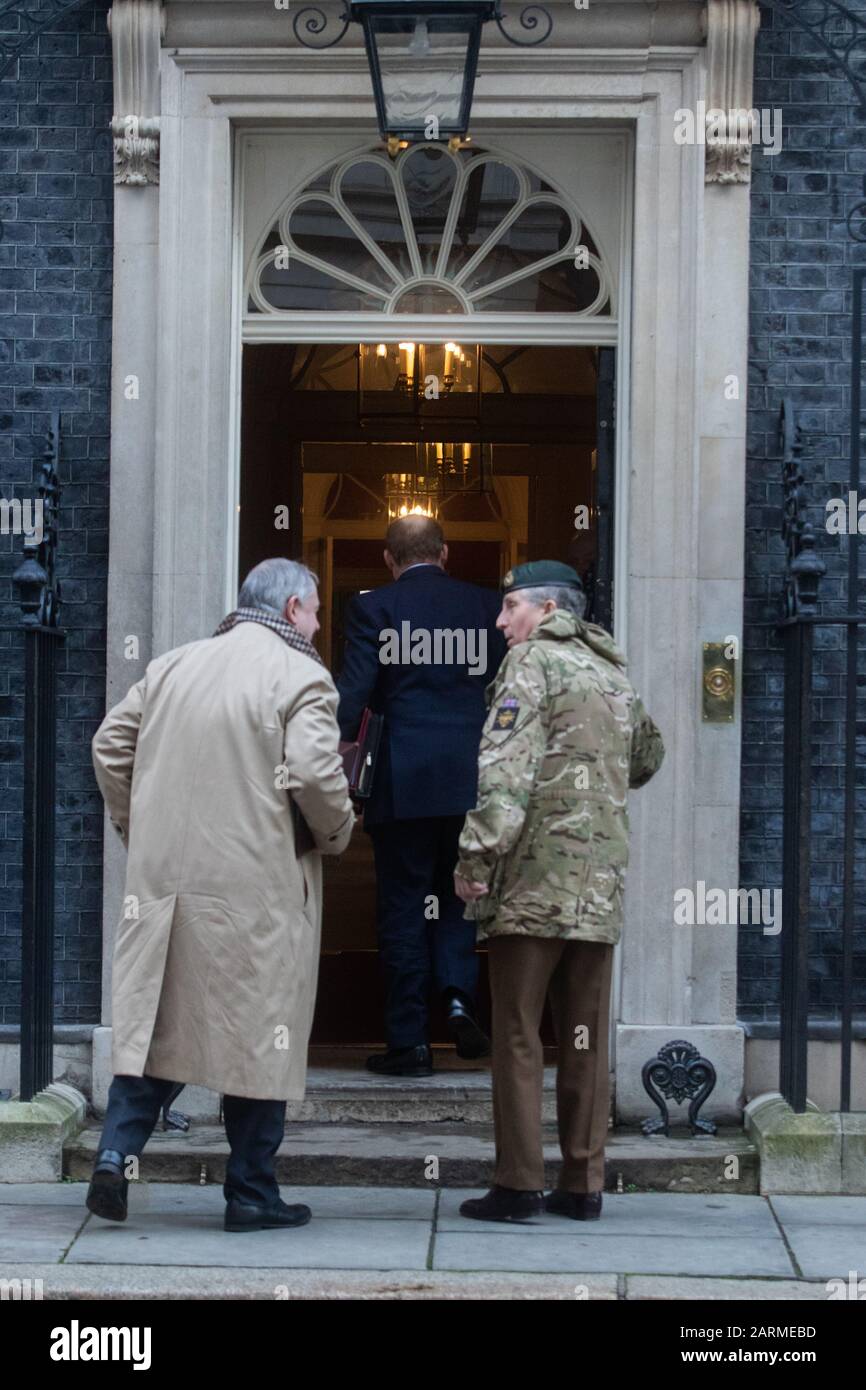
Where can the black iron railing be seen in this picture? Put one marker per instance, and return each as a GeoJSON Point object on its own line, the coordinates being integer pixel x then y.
{"type": "Point", "coordinates": [799, 623]}
{"type": "Point", "coordinates": [39, 593]}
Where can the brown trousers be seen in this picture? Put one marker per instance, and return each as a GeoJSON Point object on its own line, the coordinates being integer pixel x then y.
{"type": "Point", "coordinates": [577, 976]}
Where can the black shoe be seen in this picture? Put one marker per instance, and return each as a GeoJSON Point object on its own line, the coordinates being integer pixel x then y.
{"type": "Point", "coordinates": [106, 1195]}
{"type": "Point", "coordinates": [580, 1206]}
{"type": "Point", "coordinates": [402, 1061]}
{"type": "Point", "coordinates": [504, 1204]}
{"type": "Point", "coordinates": [464, 1027]}
{"type": "Point", "coordinates": [256, 1216]}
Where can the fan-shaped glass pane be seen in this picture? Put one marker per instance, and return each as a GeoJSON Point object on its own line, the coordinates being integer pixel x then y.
{"type": "Point", "coordinates": [322, 182]}
{"type": "Point", "coordinates": [368, 192]}
{"type": "Point", "coordinates": [541, 230]}
{"type": "Point", "coordinates": [428, 178]}
{"type": "Point", "coordinates": [317, 227]}
{"type": "Point", "coordinates": [558, 289]}
{"type": "Point", "coordinates": [491, 191]}
{"type": "Point", "coordinates": [271, 241]}
{"type": "Point", "coordinates": [301, 286]}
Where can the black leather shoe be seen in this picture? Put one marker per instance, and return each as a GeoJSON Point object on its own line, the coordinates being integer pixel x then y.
{"type": "Point", "coordinates": [256, 1216]}
{"type": "Point", "coordinates": [504, 1204]}
{"type": "Point", "coordinates": [464, 1027]}
{"type": "Point", "coordinates": [106, 1195]}
{"type": "Point", "coordinates": [580, 1206]}
{"type": "Point", "coordinates": [402, 1061]}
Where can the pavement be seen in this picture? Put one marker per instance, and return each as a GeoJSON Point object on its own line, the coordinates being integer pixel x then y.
{"type": "Point", "coordinates": [392, 1242]}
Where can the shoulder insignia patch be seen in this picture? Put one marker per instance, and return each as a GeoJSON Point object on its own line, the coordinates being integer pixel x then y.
{"type": "Point", "coordinates": [506, 714]}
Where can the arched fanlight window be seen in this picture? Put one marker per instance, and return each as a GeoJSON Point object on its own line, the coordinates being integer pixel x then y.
{"type": "Point", "coordinates": [434, 231]}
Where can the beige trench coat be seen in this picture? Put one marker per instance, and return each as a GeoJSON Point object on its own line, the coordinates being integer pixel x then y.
{"type": "Point", "coordinates": [217, 951]}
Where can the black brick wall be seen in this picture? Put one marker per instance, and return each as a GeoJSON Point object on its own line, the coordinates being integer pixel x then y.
{"type": "Point", "coordinates": [802, 258]}
{"type": "Point", "coordinates": [55, 325]}
{"type": "Point", "coordinates": [55, 351]}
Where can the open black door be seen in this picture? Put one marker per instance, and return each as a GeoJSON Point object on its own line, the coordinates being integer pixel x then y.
{"type": "Point", "coordinates": [600, 608]}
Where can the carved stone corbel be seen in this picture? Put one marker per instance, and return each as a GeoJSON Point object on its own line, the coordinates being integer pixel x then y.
{"type": "Point", "coordinates": [136, 28]}
{"type": "Point", "coordinates": [731, 28]}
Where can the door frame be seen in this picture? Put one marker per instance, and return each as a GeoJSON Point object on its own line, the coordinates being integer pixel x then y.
{"type": "Point", "coordinates": [680, 541]}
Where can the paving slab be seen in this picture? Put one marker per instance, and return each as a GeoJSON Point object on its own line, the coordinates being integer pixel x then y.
{"type": "Point", "coordinates": [539, 1251]}
{"type": "Point", "coordinates": [158, 1238]}
{"type": "Point", "coordinates": [386, 1203]}
{"type": "Point", "coordinates": [821, 1211]}
{"type": "Point", "coordinates": [639, 1214]}
{"type": "Point", "coordinates": [29, 1232]}
{"type": "Point", "coordinates": [371, 1203]}
{"type": "Point", "coordinates": [55, 1194]}
{"type": "Point", "coordinates": [827, 1234]}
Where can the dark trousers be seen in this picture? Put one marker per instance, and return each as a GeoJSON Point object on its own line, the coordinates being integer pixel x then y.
{"type": "Point", "coordinates": [254, 1129]}
{"type": "Point", "coordinates": [575, 976]}
{"type": "Point", "coordinates": [415, 860]}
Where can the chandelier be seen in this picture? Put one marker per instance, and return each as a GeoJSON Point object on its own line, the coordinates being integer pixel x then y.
{"type": "Point", "coordinates": [412, 494]}
{"type": "Point", "coordinates": [421, 382]}
{"type": "Point", "coordinates": [441, 468]}
{"type": "Point", "coordinates": [431, 370]}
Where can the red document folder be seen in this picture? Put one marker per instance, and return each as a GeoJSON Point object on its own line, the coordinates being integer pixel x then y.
{"type": "Point", "coordinates": [359, 757]}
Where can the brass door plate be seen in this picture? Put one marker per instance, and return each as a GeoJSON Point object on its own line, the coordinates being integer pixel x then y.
{"type": "Point", "coordinates": [718, 686]}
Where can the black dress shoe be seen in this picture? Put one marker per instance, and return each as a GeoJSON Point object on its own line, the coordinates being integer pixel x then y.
{"type": "Point", "coordinates": [106, 1195]}
{"type": "Point", "coordinates": [402, 1061]}
{"type": "Point", "coordinates": [257, 1216]}
{"type": "Point", "coordinates": [504, 1204]}
{"type": "Point", "coordinates": [464, 1027]}
{"type": "Point", "coordinates": [580, 1206]}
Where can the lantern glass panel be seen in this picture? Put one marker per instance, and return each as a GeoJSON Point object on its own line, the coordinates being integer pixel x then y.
{"type": "Point", "coordinates": [425, 64]}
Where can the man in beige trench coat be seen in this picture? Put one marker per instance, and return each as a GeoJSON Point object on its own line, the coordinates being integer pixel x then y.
{"type": "Point", "coordinates": [221, 772]}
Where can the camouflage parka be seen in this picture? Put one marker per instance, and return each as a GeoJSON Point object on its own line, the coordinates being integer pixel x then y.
{"type": "Point", "coordinates": [566, 735]}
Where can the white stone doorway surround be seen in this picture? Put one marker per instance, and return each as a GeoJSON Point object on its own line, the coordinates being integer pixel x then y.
{"type": "Point", "coordinates": [681, 493]}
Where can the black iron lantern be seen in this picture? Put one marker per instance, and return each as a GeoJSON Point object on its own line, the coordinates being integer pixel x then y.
{"type": "Point", "coordinates": [423, 57]}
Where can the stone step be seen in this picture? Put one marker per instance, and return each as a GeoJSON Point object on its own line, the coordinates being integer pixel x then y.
{"type": "Point", "coordinates": [338, 1095]}
{"type": "Point", "coordinates": [446, 1154]}
{"type": "Point", "coordinates": [352, 1095]}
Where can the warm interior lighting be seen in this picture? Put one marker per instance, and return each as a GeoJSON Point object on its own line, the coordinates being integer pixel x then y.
{"type": "Point", "coordinates": [412, 494]}
{"type": "Point", "coordinates": [407, 375]}
{"type": "Point", "coordinates": [404, 369]}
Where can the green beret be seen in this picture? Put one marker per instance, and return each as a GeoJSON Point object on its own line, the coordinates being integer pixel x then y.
{"type": "Point", "coordinates": [538, 574]}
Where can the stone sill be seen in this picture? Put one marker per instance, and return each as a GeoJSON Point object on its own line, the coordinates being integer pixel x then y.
{"type": "Point", "coordinates": [819, 1030]}
{"type": "Point", "coordinates": [63, 1033]}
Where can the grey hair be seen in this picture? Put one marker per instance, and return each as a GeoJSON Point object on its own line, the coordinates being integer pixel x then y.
{"type": "Point", "coordinates": [270, 584]}
{"type": "Point", "coordinates": [564, 596]}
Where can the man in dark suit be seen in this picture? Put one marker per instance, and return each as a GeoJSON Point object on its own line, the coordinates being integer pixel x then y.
{"type": "Point", "coordinates": [420, 652]}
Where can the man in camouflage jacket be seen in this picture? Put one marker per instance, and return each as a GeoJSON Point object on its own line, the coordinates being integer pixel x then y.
{"type": "Point", "coordinates": [542, 866]}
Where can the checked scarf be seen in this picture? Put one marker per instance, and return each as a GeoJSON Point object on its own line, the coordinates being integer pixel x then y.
{"type": "Point", "coordinates": [275, 623]}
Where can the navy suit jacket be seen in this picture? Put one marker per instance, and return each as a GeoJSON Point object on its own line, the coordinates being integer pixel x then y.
{"type": "Point", "coordinates": [433, 713]}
